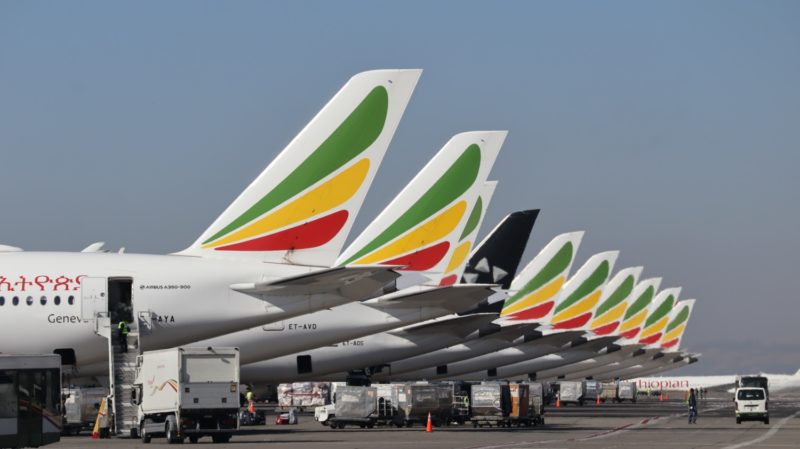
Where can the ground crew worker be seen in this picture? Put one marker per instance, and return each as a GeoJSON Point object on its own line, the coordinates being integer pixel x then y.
{"type": "Point", "coordinates": [691, 401]}
{"type": "Point", "coordinates": [122, 334]}
{"type": "Point", "coordinates": [250, 397]}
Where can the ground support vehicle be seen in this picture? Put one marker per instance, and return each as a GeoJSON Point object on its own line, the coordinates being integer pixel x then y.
{"type": "Point", "coordinates": [80, 408]}
{"type": "Point", "coordinates": [753, 381]}
{"type": "Point", "coordinates": [30, 409]}
{"type": "Point", "coordinates": [751, 405]}
{"type": "Point", "coordinates": [626, 391]}
{"type": "Point", "coordinates": [187, 393]}
{"type": "Point", "coordinates": [490, 403]}
{"type": "Point", "coordinates": [416, 401]}
{"type": "Point", "coordinates": [355, 405]}
{"type": "Point", "coordinates": [572, 393]}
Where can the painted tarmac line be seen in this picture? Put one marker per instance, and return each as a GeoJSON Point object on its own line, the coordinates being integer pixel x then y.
{"type": "Point", "coordinates": [598, 435]}
{"type": "Point", "coordinates": [768, 434]}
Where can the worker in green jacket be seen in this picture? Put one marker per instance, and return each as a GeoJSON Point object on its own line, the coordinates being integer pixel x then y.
{"type": "Point", "coordinates": [122, 335]}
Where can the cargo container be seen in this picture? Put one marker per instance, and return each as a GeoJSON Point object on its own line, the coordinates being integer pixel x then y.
{"type": "Point", "coordinates": [591, 390]}
{"type": "Point", "coordinates": [416, 401]}
{"type": "Point", "coordinates": [355, 405]}
{"type": "Point", "coordinates": [626, 391]}
{"type": "Point", "coordinates": [80, 408]}
{"type": "Point", "coordinates": [608, 392]}
{"type": "Point", "coordinates": [490, 404]}
{"type": "Point", "coordinates": [572, 393]}
{"type": "Point", "coordinates": [187, 393]}
{"type": "Point", "coordinates": [536, 392]}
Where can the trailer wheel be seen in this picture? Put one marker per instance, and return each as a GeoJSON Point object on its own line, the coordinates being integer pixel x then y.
{"type": "Point", "coordinates": [766, 420]}
{"type": "Point", "coordinates": [144, 435]}
{"type": "Point", "coordinates": [738, 420]}
{"type": "Point", "coordinates": [193, 439]}
{"type": "Point", "coordinates": [474, 425]}
{"type": "Point", "coordinates": [171, 430]}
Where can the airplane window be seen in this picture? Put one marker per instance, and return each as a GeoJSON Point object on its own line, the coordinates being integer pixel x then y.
{"type": "Point", "coordinates": [43, 300]}
{"type": "Point", "coordinates": [71, 300]}
{"type": "Point", "coordinates": [57, 300]}
{"type": "Point", "coordinates": [29, 300]}
{"type": "Point", "coordinates": [15, 301]}
{"type": "Point", "coordinates": [2, 300]}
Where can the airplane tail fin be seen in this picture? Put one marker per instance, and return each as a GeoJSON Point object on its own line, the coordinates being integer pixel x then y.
{"type": "Point", "coordinates": [581, 294]}
{"type": "Point", "coordinates": [461, 248]}
{"type": "Point", "coordinates": [496, 258]}
{"type": "Point", "coordinates": [638, 306]}
{"type": "Point", "coordinates": [435, 214]}
{"type": "Point", "coordinates": [300, 209]}
{"type": "Point", "coordinates": [678, 318]}
{"type": "Point", "coordinates": [539, 283]}
{"type": "Point", "coordinates": [658, 315]}
{"type": "Point", "coordinates": [614, 301]}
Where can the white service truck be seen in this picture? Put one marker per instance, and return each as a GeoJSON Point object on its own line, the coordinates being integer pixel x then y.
{"type": "Point", "coordinates": [187, 392]}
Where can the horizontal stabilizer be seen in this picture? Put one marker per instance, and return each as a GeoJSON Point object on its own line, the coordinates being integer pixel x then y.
{"type": "Point", "coordinates": [460, 326]}
{"type": "Point", "coordinates": [455, 298]}
{"type": "Point", "coordinates": [356, 283]}
{"type": "Point", "coordinates": [9, 249]}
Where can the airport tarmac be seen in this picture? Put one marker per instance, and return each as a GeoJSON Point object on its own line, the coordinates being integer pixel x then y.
{"type": "Point", "coordinates": [649, 423]}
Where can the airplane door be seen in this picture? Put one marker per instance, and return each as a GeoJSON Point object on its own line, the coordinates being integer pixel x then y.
{"type": "Point", "coordinates": [94, 298]}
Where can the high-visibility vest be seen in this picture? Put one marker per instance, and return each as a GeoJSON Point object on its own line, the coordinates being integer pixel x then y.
{"type": "Point", "coordinates": [123, 327]}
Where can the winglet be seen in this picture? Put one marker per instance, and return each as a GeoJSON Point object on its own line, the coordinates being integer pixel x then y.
{"type": "Point", "coordinates": [537, 286]}
{"type": "Point", "coordinates": [300, 209]}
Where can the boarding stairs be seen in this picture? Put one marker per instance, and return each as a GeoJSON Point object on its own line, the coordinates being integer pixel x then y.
{"type": "Point", "coordinates": [122, 374]}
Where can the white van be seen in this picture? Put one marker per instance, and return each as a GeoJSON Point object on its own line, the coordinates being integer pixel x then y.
{"type": "Point", "coordinates": [751, 405]}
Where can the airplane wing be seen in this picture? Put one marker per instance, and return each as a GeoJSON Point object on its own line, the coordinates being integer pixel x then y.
{"type": "Point", "coordinates": [461, 326]}
{"type": "Point", "coordinates": [356, 282]}
{"type": "Point", "coordinates": [456, 298]}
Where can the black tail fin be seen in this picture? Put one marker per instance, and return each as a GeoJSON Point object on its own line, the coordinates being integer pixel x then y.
{"type": "Point", "coordinates": [496, 259]}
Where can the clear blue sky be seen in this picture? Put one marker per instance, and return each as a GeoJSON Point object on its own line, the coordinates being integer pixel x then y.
{"type": "Point", "coordinates": [667, 130]}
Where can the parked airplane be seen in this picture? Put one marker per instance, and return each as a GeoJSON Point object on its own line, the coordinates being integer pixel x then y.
{"type": "Point", "coordinates": [655, 322]}
{"type": "Point", "coordinates": [266, 258]}
{"type": "Point", "coordinates": [533, 286]}
{"type": "Point", "coordinates": [635, 314]}
{"type": "Point", "coordinates": [562, 327]}
{"type": "Point", "coordinates": [436, 244]}
{"type": "Point", "coordinates": [776, 381]}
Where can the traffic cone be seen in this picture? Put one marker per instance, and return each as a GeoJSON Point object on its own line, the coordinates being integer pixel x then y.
{"type": "Point", "coordinates": [558, 401]}
{"type": "Point", "coordinates": [666, 397]}
{"type": "Point", "coordinates": [429, 425]}
{"type": "Point", "coordinates": [598, 400]}
{"type": "Point", "coordinates": [661, 397]}
{"type": "Point", "coordinates": [251, 408]}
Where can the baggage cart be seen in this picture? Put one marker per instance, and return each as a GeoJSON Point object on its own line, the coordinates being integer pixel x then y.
{"type": "Point", "coordinates": [626, 391]}
{"type": "Point", "coordinates": [416, 401]}
{"type": "Point", "coordinates": [608, 392]}
{"type": "Point", "coordinates": [355, 405]}
{"type": "Point", "coordinates": [536, 402]}
{"type": "Point", "coordinates": [490, 404]}
{"type": "Point", "coordinates": [571, 393]}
